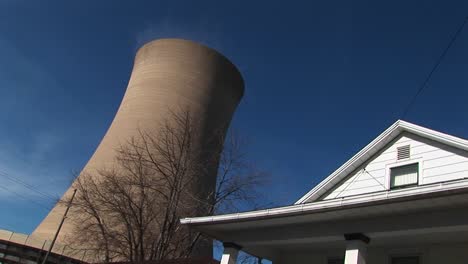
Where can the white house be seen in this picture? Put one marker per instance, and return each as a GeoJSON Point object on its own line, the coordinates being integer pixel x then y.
{"type": "Point", "coordinates": [403, 199]}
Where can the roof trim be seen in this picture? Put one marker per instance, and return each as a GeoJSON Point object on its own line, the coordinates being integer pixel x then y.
{"type": "Point", "coordinates": [378, 143]}
{"type": "Point", "coordinates": [384, 197]}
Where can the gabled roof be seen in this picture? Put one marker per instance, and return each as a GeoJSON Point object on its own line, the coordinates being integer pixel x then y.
{"type": "Point", "coordinates": [372, 148]}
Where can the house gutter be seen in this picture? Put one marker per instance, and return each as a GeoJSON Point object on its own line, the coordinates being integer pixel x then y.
{"type": "Point", "coordinates": [398, 127]}
{"type": "Point", "coordinates": [387, 197]}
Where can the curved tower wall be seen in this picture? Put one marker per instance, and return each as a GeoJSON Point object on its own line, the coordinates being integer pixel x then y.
{"type": "Point", "coordinates": [168, 75]}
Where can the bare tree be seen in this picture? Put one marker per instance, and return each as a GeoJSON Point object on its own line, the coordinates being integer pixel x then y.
{"type": "Point", "coordinates": [131, 211]}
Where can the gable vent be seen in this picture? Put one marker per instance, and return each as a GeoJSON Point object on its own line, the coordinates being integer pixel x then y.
{"type": "Point", "coordinates": [403, 152]}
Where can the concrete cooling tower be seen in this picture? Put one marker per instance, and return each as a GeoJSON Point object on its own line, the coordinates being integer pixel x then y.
{"type": "Point", "coordinates": [168, 74]}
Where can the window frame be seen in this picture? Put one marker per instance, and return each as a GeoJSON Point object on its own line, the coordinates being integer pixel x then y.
{"type": "Point", "coordinates": [388, 176]}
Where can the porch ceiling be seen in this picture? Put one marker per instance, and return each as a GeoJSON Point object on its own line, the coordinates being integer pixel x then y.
{"type": "Point", "coordinates": [426, 220]}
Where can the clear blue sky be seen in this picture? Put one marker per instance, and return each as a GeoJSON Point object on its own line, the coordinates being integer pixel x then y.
{"type": "Point", "coordinates": [323, 78]}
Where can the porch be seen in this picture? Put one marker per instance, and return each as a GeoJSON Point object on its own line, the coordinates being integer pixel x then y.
{"type": "Point", "coordinates": [428, 228]}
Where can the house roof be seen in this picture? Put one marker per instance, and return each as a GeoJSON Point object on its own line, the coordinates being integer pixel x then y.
{"type": "Point", "coordinates": [373, 147]}
{"type": "Point", "coordinates": [445, 189]}
{"type": "Point", "coordinates": [318, 225]}
{"type": "Point", "coordinates": [309, 206]}
{"type": "Point", "coordinates": [315, 223]}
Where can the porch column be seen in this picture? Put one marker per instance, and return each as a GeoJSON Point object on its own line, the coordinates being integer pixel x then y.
{"type": "Point", "coordinates": [356, 248]}
{"type": "Point", "coordinates": [230, 253]}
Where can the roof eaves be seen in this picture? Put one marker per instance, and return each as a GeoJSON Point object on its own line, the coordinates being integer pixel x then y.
{"type": "Point", "coordinates": [384, 137]}
{"type": "Point", "coordinates": [383, 197]}
{"type": "Point", "coordinates": [435, 135]}
{"type": "Point", "coordinates": [319, 188]}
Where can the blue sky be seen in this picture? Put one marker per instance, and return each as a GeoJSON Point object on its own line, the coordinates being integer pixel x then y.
{"type": "Point", "coordinates": [323, 78]}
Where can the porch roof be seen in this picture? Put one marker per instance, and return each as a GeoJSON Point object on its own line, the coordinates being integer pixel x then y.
{"type": "Point", "coordinates": [319, 225]}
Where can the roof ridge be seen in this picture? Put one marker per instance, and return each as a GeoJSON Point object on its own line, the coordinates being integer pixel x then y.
{"type": "Point", "coordinates": [379, 142]}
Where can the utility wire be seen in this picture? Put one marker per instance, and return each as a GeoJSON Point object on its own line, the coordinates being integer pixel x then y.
{"type": "Point", "coordinates": [26, 198]}
{"type": "Point", "coordinates": [424, 84]}
{"type": "Point", "coordinates": [27, 185]}
{"type": "Point", "coordinates": [30, 187]}
{"type": "Point", "coordinates": [351, 182]}
{"type": "Point", "coordinates": [366, 171]}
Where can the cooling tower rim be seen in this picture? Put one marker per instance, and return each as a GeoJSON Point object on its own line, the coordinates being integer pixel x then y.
{"type": "Point", "coordinates": [191, 42]}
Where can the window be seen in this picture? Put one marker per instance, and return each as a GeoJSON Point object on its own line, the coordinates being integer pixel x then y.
{"type": "Point", "coordinates": [405, 260]}
{"type": "Point", "coordinates": [404, 176]}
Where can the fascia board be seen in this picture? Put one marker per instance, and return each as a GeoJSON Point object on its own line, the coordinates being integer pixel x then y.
{"type": "Point", "coordinates": [333, 204]}
{"type": "Point", "coordinates": [399, 126]}
{"type": "Point", "coordinates": [437, 136]}
{"type": "Point", "coordinates": [348, 164]}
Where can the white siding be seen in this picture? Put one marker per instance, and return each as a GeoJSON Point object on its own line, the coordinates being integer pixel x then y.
{"type": "Point", "coordinates": [437, 163]}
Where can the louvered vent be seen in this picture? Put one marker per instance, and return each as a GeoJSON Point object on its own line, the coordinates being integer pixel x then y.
{"type": "Point", "coordinates": [403, 152]}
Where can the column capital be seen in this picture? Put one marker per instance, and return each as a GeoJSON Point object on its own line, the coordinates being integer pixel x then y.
{"type": "Point", "coordinates": [357, 236]}
{"type": "Point", "coordinates": [231, 250]}
{"type": "Point", "coordinates": [356, 248]}
{"type": "Point", "coordinates": [231, 245]}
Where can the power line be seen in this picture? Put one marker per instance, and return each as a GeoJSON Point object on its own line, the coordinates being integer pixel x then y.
{"type": "Point", "coordinates": [30, 187]}
{"type": "Point", "coordinates": [424, 84]}
{"type": "Point", "coordinates": [366, 171]}
{"type": "Point", "coordinates": [50, 178]}
{"type": "Point", "coordinates": [27, 185]}
{"type": "Point", "coordinates": [26, 198]}
{"type": "Point", "coordinates": [59, 228]}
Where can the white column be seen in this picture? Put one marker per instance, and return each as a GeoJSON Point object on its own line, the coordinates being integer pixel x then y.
{"type": "Point", "coordinates": [230, 254]}
{"type": "Point", "coordinates": [356, 252]}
